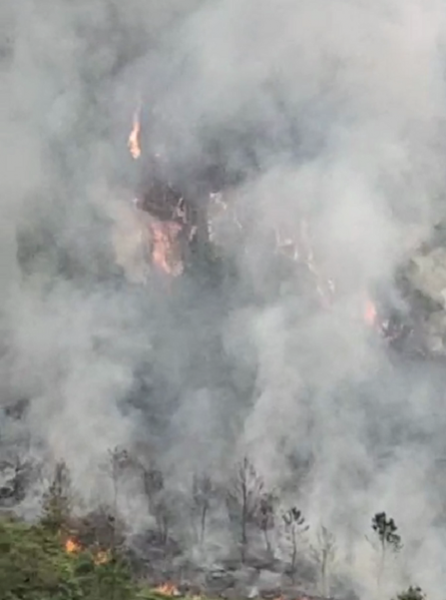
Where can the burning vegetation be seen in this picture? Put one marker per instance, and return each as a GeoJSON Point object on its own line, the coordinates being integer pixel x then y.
{"type": "Point", "coordinates": [73, 546]}
{"type": "Point", "coordinates": [167, 589]}
{"type": "Point", "coordinates": [170, 226]}
{"type": "Point", "coordinates": [174, 223]}
{"type": "Point", "coordinates": [254, 512]}
{"type": "Point", "coordinates": [221, 353]}
{"type": "Point", "coordinates": [134, 137]}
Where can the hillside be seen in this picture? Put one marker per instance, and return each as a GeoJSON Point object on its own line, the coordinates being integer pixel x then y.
{"type": "Point", "coordinates": [37, 564]}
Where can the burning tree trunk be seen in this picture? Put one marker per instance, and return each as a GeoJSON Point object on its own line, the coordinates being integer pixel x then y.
{"type": "Point", "coordinates": [174, 219]}
{"type": "Point", "coordinates": [173, 226]}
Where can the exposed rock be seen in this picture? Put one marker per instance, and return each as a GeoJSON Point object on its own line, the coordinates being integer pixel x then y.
{"type": "Point", "coordinates": [427, 275]}
{"type": "Point", "coordinates": [220, 580]}
{"type": "Point", "coordinates": [417, 324]}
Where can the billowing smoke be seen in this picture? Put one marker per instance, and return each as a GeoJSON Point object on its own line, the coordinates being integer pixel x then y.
{"type": "Point", "coordinates": [327, 122]}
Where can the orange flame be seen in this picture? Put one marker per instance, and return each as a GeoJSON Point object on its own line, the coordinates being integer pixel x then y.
{"type": "Point", "coordinates": [167, 589]}
{"type": "Point", "coordinates": [370, 313]}
{"type": "Point", "coordinates": [165, 254]}
{"type": "Point", "coordinates": [134, 137]}
{"type": "Point", "coordinates": [100, 557]}
{"type": "Point", "coordinates": [72, 546]}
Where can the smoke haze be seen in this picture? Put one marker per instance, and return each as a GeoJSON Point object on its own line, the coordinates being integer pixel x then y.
{"type": "Point", "coordinates": [331, 113]}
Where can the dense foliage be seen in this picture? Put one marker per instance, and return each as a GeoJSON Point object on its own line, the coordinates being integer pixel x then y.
{"type": "Point", "coordinates": [34, 565]}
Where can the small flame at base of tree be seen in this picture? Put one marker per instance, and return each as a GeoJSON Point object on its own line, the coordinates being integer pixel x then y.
{"type": "Point", "coordinates": [72, 546]}
{"type": "Point", "coordinates": [167, 589]}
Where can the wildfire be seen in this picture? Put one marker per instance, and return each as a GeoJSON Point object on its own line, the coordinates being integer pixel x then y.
{"type": "Point", "coordinates": [165, 253]}
{"type": "Point", "coordinates": [71, 546]}
{"type": "Point", "coordinates": [164, 247]}
{"type": "Point", "coordinates": [100, 557]}
{"type": "Point", "coordinates": [168, 589]}
{"type": "Point", "coordinates": [370, 313]}
{"type": "Point", "coordinates": [134, 137]}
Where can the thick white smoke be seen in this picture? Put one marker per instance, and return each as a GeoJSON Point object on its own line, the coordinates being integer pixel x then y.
{"type": "Point", "coordinates": [340, 107]}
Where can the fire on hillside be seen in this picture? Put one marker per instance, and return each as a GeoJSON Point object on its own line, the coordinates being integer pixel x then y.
{"type": "Point", "coordinates": [168, 223]}
{"type": "Point", "coordinates": [73, 546]}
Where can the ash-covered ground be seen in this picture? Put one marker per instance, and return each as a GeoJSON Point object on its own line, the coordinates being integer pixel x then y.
{"type": "Point", "coordinates": [298, 353]}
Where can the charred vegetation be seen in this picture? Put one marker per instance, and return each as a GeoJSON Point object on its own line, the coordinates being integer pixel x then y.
{"type": "Point", "coordinates": [102, 535]}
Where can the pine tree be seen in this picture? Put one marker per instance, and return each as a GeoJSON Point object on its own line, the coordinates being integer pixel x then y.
{"type": "Point", "coordinates": [57, 500]}
{"type": "Point", "coordinates": [295, 526]}
{"type": "Point", "coordinates": [389, 540]}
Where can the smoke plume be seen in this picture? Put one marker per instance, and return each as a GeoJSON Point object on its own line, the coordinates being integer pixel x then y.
{"type": "Point", "coordinates": [329, 121]}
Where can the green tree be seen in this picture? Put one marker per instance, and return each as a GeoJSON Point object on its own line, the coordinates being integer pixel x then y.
{"type": "Point", "coordinates": [35, 566]}
{"type": "Point", "coordinates": [57, 500]}
{"type": "Point", "coordinates": [105, 581]}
